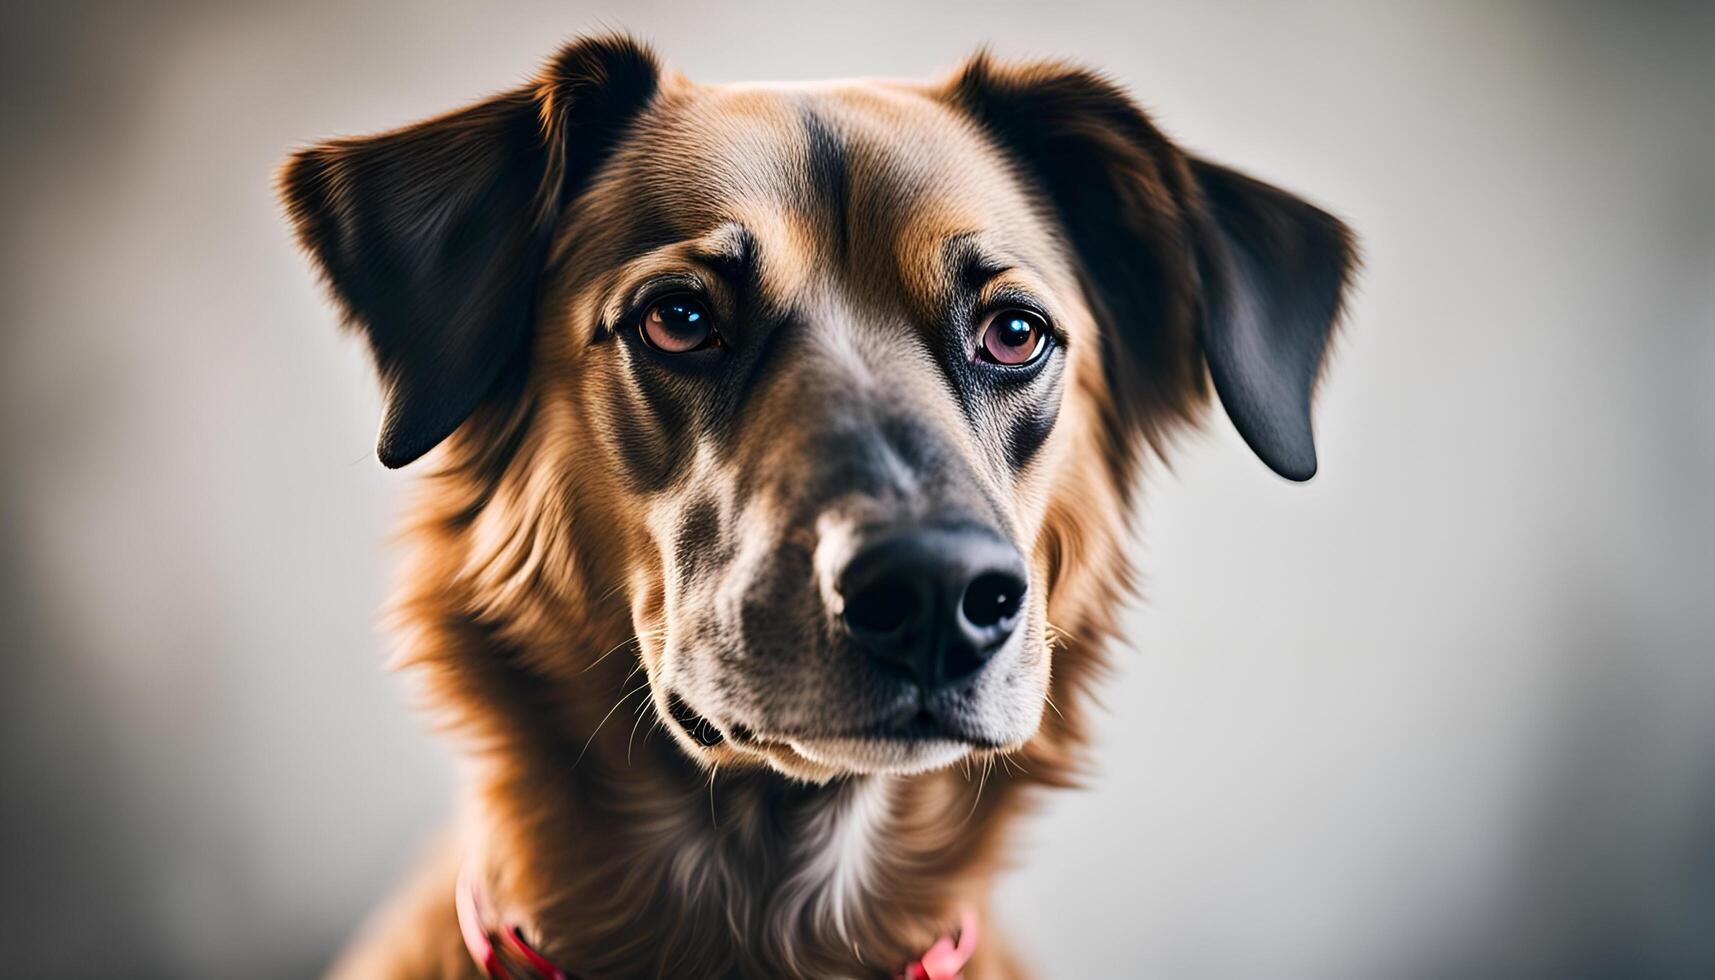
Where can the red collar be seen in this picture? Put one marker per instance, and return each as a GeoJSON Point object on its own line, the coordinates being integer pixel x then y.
{"type": "Point", "coordinates": [504, 954]}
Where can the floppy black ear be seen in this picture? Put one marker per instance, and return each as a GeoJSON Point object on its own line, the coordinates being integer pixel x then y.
{"type": "Point", "coordinates": [1186, 263]}
{"type": "Point", "coordinates": [1274, 271]}
{"type": "Point", "coordinates": [432, 237]}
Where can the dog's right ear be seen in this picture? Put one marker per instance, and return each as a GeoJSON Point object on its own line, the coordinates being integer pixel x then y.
{"type": "Point", "coordinates": [432, 237]}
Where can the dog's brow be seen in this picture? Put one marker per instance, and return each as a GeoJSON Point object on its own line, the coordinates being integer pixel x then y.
{"type": "Point", "coordinates": [731, 254]}
{"type": "Point", "coordinates": [971, 264]}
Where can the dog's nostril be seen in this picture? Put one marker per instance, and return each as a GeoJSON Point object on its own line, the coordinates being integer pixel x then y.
{"type": "Point", "coordinates": [883, 607]}
{"type": "Point", "coordinates": [993, 598]}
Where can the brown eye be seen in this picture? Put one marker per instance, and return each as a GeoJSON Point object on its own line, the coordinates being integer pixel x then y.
{"type": "Point", "coordinates": [678, 325]}
{"type": "Point", "coordinates": [1012, 337]}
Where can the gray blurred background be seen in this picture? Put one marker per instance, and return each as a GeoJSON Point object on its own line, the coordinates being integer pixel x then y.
{"type": "Point", "coordinates": [1448, 711]}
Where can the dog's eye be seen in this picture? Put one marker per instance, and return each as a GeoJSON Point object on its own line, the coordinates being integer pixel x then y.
{"type": "Point", "coordinates": [678, 325]}
{"type": "Point", "coordinates": [1012, 337]}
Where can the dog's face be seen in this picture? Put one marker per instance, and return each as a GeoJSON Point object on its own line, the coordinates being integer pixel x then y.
{"type": "Point", "coordinates": [842, 378]}
{"type": "Point", "coordinates": [835, 337]}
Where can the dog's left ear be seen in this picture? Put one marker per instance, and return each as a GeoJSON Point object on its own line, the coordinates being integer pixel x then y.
{"type": "Point", "coordinates": [1275, 270]}
{"type": "Point", "coordinates": [1187, 263]}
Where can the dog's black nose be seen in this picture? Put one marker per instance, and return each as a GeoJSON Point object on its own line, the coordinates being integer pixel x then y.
{"type": "Point", "coordinates": [934, 604]}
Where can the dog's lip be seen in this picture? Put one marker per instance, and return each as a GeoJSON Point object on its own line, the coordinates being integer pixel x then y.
{"type": "Point", "coordinates": [912, 727]}
{"type": "Point", "coordinates": [879, 755]}
{"type": "Point", "coordinates": [705, 732]}
{"type": "Point", "coordinates": [916, 725]}
{"type": "Point", "coordinates": [911, 742]}
{"type": "Point", "coordinates": [923, 725]}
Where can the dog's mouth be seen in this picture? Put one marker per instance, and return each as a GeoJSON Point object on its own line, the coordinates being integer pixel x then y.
{"type": "Point", "coordinates": [913, 740]}
{"type": "Point", "coordinates": [919, 725]}
{"type": "Point", "coordinates": [700, 729]}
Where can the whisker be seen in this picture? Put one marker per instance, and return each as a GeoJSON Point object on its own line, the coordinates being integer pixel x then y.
{"type": "Point", "coordinates": [1051, 704]}
{"type": "Point", "coordinates": [988, 765]}
{"type": "Point", "coordinates": [633, 638]}
{"type": "Point", "coordinates": [641, 687]}
{"type": "Point", "coordinates": [642, 712]}
{"type": "Point", "coordinates": [1065, 636]}
{"type": "Point", "coordinates": [714, 820]}
{"type": "Point", "coordinates": [610, 593]}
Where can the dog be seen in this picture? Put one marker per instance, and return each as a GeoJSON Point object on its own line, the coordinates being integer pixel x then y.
{"type": "Point", "coordinates": [801, 425]}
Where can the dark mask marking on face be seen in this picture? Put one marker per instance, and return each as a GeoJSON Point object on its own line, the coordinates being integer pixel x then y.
{"type": "Point", "coordinates": [829, 177]}
{"type": "Point", "coordinates": [697, 542]}
{"type": "Point", "coordinates": [1031, 427]}
{"type": "Point", "coordinates": [649, 430]}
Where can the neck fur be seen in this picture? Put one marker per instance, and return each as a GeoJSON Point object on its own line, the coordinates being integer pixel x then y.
{"type": "Point", "coordinates": [621, 856]}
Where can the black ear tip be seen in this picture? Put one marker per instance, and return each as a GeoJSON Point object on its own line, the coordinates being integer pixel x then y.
{"type": "Point", "coordinates": [391, 458]}
{"type": "Point", "coordinates": [1290, 454]}
{"type": "Point", "coordinates": [1293, 458]}
{"type": "Point", "coordinates": [1296, 470]}
{"type": "Point", "coordinates": [399, 445]}
{"type": "Point", "coordinates": [1272, 418]}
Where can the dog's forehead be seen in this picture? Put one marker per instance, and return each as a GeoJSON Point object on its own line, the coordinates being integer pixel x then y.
{"type": "Point", "coordinates": [838, 171]}
{"type": "Point", "coordinates": [878, 138]}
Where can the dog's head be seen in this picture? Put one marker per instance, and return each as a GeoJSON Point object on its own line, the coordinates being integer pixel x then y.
{"type": "Point", "coordinates": [837, 384]}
